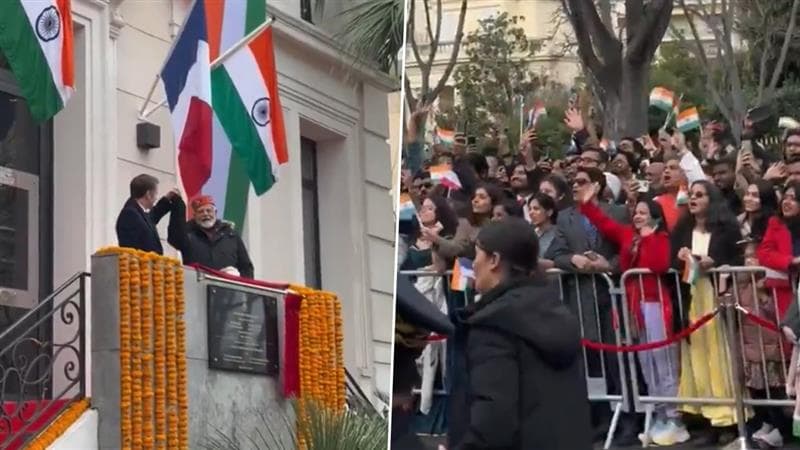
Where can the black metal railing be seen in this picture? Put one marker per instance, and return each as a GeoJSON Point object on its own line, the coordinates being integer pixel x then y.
{"type": "Point", "coordinates": [42, 363]}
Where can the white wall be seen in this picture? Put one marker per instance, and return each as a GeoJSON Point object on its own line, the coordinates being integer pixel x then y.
{"type": "Point", "coordinates": [80, 435]}
{"type": "Point", "coordinates": [118, 53]}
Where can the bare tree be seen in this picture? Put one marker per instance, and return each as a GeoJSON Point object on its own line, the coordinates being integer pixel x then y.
{"type": "Point", "coordinates": [619, 64]}
{"type": "Point", "coordinates": [723, 70]}
{"type": "Point", "coordinates": [433, 29]}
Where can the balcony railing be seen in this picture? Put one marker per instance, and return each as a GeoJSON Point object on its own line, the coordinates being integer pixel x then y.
{"type": "Point", "coordinates": [42, 363]}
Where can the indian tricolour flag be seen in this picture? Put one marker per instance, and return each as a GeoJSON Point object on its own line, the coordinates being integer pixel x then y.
{"type": "Point", "coordinates": [688, 119]}
{"type": "Point", "coordinates": [462, 273]}
{"type": "Point", "coordinates": [407, 211]}
{"type": "Point", "coordinates": [249, 137]}
{"type": "Point", "coordinates": [36, 38]}
{"type": "Point", "coordinates": [445, 137]}
{"type": "Point", "coordinates": [662, 98]}
{"type": "Point", "coordinates": [444, 175]}
{"type": "Point", "coordinates": [534, 114]}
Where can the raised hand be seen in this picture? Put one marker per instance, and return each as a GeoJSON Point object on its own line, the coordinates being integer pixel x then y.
{"type": "Point", "coordinates": [573, 120]}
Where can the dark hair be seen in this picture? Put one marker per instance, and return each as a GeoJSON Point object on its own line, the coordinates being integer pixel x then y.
{"type": "Point", "coordinates": [793, 223]}
{"type": "Point", "coordinates": [719, 214]}
{"type": "Point", "coordinates": [598, 150]}
{"type": "Point", "coordinates": [515, 241]}
{"type": "Point", "coordinates": [560, 183]}
{"type": "Point", "coordinates": [596, 175]}
{"type": "Point", "coordinates": [478, 162]}
{"type": "Point", "coordinates": [656, 213]}
{"type": "Point", "coordinates": [725, 160]}
{"type": "Point", "coordinates": [496, 195]}
{"type": "Point", "coordinates": [512, 207]}
{"type": "Point", "coordinates": [631, 158]}
{"type": "Point", "coordinates": [422, 175]}
{"type": "Point", "coordinates": [547, 203]}
{"type": "Point", "coordinates": [769, 208]}
{"type": "Point", "coordinates": [444, 215]}
{"type": "Point", "coordinates": [142, 184]}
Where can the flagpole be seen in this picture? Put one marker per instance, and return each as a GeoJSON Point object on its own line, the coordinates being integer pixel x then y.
{"type": "Point", "coordinates": [672, 110]}
{"type": "Point", "coordinates": [242, 42]}
{"type": "Point", "coordinates": [142, 115]}
{"type": "Point", "coordinates": [521, 113]}
{"type": "Point", "coordinates": [214, 64]}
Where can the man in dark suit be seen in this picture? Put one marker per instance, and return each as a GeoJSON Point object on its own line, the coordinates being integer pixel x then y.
{"type": "Point", "coordinates": [136, 223]}
{"type": "Point", "coordinates": [578, 248]}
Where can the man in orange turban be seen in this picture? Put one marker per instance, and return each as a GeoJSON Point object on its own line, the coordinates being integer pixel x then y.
{"type": "Point", "coordinates": [213, 243]}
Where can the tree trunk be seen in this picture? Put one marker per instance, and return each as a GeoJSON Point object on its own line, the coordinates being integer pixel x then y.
{"type": "Point", "coordinates": [633, 99]}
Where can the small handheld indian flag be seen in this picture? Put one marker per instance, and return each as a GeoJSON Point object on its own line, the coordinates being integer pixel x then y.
{"type": "Point", "coordinates": [788, 123]}
{"type": "Point", "coordinates": [536, 113]}
{"type": "Point", "coordinates": [688, 119]}
{"type": "Point", "coordinates": [445, 137]}
{"type": "Point", "coordinates": [462, 273]}
{"type": "Point", "coordinates": [691, 272]}
{"type": "Point", "coordinates": [406, 210]}
{"type": "Point", "coordinates": [662, 98]}
{"type": "Point", "coordinates": [444, 175]}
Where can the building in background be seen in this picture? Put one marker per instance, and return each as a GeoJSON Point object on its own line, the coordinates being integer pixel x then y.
{"type": "Point", "coordinates": [328, 223]}
{"type": "Point", "coordinates": [539, 24]}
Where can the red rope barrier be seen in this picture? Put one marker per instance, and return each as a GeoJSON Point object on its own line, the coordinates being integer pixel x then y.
{"type": "Point", "coordinates": [651, 345]}
{"type": "Point", "coordinates": [760, 321]}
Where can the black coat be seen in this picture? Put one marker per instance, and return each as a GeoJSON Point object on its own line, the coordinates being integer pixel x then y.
{"type": "Point", "coordinates": [222, 249]}
{"type": "Point", "coordinates": [137, 228]}
{"type": "Point", "coordinates": [722, 248]}
{"type": "Point", "coordinates": [525, 388]}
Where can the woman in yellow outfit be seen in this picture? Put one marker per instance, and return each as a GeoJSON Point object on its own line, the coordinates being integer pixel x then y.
{"type": "Point", "coordinates": [705, 237]}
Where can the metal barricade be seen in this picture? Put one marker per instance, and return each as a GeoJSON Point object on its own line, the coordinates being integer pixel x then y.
{"type": "Point", "coordinates": [596, 301]}
{"type": "Point", "coordinates": [456, 300]}
{"type": "Point", "coordinates": [733, 334]}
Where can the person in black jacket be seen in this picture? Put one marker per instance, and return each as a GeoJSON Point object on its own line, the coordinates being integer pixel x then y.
{"type": "Point", "coordinates": [525, 387]}
{"type": "Point", "coordinates": [211, 242]}
{"type": "Point", "coordinates": [136, 223]}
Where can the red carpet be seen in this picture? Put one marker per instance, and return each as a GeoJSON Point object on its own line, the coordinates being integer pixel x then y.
{"type": "Point", "coordinates": [20, 415]}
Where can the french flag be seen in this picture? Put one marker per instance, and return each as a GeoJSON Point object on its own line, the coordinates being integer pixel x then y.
{"type": "Point", "coordinates": [187, 81]}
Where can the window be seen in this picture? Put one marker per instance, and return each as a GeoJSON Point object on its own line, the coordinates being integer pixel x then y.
{"type": "Point", "coordinates": [313, 266]}
{"type": "Point", "coordinates": [305, 11]}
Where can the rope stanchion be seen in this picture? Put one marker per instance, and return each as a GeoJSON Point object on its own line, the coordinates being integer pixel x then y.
{"type": "Point", "coordinates": [651, 345]}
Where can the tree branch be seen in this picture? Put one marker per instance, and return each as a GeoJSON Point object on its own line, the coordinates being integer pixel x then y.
{"type": "Point", "coordinates": [412, 102]}
{"type": "Point", "coordinates": [603, 40]}
{"type": "Point", "coordinates": [434, 47]}
{"type": "Point", "coordinates": [453, 56]}
{"type": "Point", "coordinates": [644, 43]}
{"type": "Point", "coordinates": [427, 7]}
{"type": "Point", "coordinates": [585, 48]}
{"type": "Point", "coordinates": [424, 69]}
{"type": "Point", "coordinates": [787, 38]}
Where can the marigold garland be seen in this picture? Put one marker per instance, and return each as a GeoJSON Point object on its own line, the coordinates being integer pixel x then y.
{"type": "Point", "coordinates": [321, 358]}
{"type": "Point", "coordinates": [59, 426]}
{"type": "Point", "coordinates": [160, 346]}
{"type": "Point", "coordinates": [154, 402]}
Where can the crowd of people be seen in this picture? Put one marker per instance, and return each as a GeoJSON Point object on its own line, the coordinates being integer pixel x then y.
{"type": "Point", "coordinates": [668, 202]}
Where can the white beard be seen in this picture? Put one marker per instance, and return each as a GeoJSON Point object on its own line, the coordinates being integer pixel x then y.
{"type": "Point", "coordinates": [207, 224]}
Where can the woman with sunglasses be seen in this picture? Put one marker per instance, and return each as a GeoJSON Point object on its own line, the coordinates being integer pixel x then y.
{"type": "Point", "coordinates": [645, 245]}
{"type": "Point", "coordinates": [705, 238]}
{"type": "Point", "coordinates": [523, 360]}
{"type": "Point", "coordinates": [435, 219]}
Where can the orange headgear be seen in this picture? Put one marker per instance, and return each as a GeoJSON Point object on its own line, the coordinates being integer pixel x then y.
{"type": "Point", "coordinates": [202, 200]}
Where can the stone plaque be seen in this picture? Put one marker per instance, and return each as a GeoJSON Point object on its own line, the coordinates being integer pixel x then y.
{"type": "Point", "coordinates": [242, 331]}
